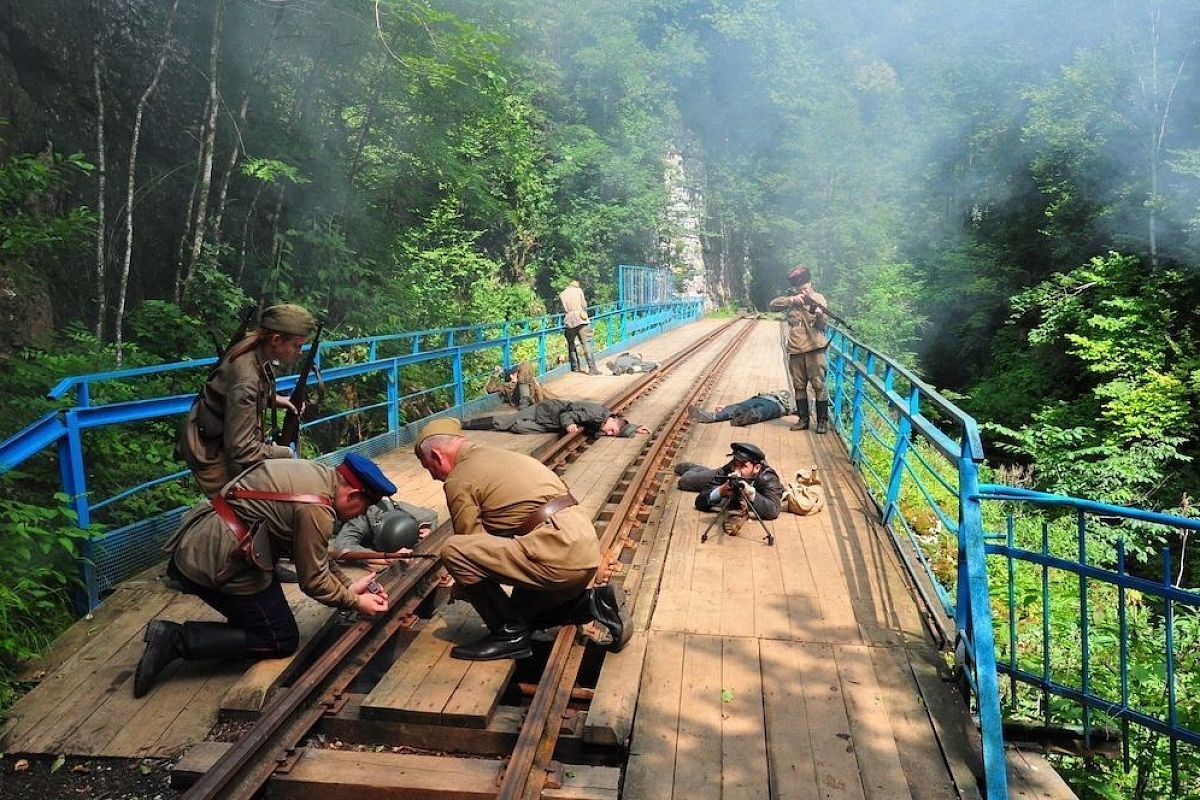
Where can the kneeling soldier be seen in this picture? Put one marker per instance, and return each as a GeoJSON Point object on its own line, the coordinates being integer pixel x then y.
{"type": "Point", "coordinates": [516, 523]}
{"type": "Point", "coordinates": [225, 553]}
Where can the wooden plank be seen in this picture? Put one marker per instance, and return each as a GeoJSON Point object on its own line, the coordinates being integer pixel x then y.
{"type": "Point", "coordinates": [838, 773]}
{"type": "Point", "coordinates": [921, 757]}
{"type": "Point", "coordinates": [744, 771]}
{"type": "Point", "coordinates": [650, 770]}
{"type": "Point", "coordinates": [75, 638]}
{"type": "Point", "coordinates": [789, 740]}
{"type": "Point", "coordinates": [320, 774]}
{"type": "Point", "coordinates": [1030, 777]}
{"type": "Point", "coordinates": [113, 705]}
{"type": "Point", "coordinates": [952, 725]}
{"type": "Point", "coordinates": [871, 732]}
{"type": "Point", "coordinates": [698, 765]}
{"type": "Point", "coordinates": [610, 715]}
{"type": "Point", "coordinates": [262, 677]}
{"type": "Point", "coordinates": [58, 704]}
{"type": "Point", "coordinates": [396, 689]}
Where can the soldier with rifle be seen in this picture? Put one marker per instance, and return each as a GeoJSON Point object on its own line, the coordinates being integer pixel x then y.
{"type": "Point", "coordinates": [223, 435]}
{"type": "Point", "coordinates": [746, 485]}
{"type": "Point", "coordinates": [806, 343]}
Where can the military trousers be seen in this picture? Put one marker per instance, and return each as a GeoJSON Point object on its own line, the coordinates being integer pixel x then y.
{"type": "Point", "coordinates": [538, 586]}
{"type": "Point", "coordinates": [266, 617]}
{"type": "Point", "coordinates": [807, 368]}
{"type": "Point", "coordinates": [582, 335]}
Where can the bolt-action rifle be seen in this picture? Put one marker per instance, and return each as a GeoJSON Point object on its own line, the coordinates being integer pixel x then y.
{"type": "Point", "coordinates": [289, 432]}
{"type": "Point", "coordinates": [242, 329]}
{"type": "Point", "coordinates": [812, 305]}
{"type": "Point", "coordinates": [373, 555]}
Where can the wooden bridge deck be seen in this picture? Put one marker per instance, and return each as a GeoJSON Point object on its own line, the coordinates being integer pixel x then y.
{"type": "Point", "coordinates": [797, 671]}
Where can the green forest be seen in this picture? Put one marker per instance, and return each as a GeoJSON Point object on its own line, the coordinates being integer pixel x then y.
{"type": "Point", "coordinates": [1003, 195]}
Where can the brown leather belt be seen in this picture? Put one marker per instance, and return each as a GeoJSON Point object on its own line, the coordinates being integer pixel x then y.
{"type": "Point", "coordinates": [229, 517]}
{"type": "Point", "coordinates": [544, 512]}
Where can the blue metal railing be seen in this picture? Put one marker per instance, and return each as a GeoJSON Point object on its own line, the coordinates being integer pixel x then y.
{"type": "Point", "coordinates": [906, 439]}
{"type": "Point", "coordinates": [638, 286]}
{"type": "Point", "coordinates": [886, 415]}
{"type": "Point", "coordinates": [109, 557]}
{"type": "Point", "coordinates": [1061, 541]}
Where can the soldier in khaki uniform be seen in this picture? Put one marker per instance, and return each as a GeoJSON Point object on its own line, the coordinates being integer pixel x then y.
{"type": "Point", "coordinates": [223, 433]}
{"type": "Point", "coordinates": [226, 546]}
{"type": "Point", "coordinates": [577, 327]}
{"type": "Point", "coordinates": [516, 523]}
{"type": "Point", "coordinates": [806, 346]}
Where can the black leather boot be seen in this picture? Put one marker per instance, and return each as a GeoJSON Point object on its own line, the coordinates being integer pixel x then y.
{"type": "Point", "coordinates": [203, 640]}
{"type": "Point", "coordinates": [700, 415]}
{"type": "Point", "coordinates": [802, 418]}
{"type": "Point", "coordinates": [573, 357]}
{"type": "Point", "coordinates": [609, 611]}
{"type": "Point", "coordinates": [164, 644]}
{"type": "Point", "coordinates": [822, 416]}
{"type": "Point", "coordinates": [509, 637]}
{"type": "Point", "coordinates": [478, 424]}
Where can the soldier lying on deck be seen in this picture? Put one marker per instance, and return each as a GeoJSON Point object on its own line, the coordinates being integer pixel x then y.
{"type": "Point", "coordinates": [760, 408]}
{"type": "Point", "coordinates": [559, 416]}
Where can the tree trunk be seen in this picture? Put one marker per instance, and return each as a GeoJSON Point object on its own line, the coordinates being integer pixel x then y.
{"type": "Point", "coordinates": [131, 182]}
{"type": "Point", "coordinates": [276, 253]}
{"type": "Point", "coordinates": [207, 147]}
{"type": "Point", "coordinates": [236, 147]}
{"type": "Point", "coordinates": [101, 180]}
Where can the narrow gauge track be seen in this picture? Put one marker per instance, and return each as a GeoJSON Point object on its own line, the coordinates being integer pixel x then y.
{"type": "Point", "coordinates": [271, 744]}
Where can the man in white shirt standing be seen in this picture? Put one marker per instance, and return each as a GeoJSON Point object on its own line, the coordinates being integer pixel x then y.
{"type": "Point", "coordinates": [577, 327]}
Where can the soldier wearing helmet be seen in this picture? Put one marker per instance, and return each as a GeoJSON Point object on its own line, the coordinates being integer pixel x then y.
{"type": "Point", "coordinates": [806, 346]}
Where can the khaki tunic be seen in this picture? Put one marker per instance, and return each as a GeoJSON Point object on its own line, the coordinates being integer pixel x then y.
{"type": "Point", "coordinates": [204, 544]}
{"type": "Point", "coordinates": [223, 433]}
{"type": "Point", "coordinates": [806, 329]}
{"type": "Point", "coordinates": [574, 303]}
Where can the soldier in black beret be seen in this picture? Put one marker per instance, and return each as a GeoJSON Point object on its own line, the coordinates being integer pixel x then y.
{"type": "Point", "coordinates": [762, 487]}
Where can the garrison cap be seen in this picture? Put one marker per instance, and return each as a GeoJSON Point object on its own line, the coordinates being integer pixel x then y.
{"type": "Point", "coordinates": [365, 475]}
{"type": "Point", "coordinates": [744, 451]}
{"type": "Point", "coordinates": [288, 318]}
{"type": "Point", "coordinates": [442, 426]}
{"type": "Point", "coordinates": [628, 429]}
{"type": "Point", "coordinates": [800, 276]}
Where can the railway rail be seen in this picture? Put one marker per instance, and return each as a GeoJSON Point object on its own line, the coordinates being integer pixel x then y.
{"type": "Point", "coordinates": [272, 744]}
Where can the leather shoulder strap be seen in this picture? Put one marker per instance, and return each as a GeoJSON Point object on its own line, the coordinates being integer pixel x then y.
{"type": "Point", "coordinates": [284, 497]}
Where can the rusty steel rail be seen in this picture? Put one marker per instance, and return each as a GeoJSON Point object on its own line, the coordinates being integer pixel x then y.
{"type": "Point", "coordinates": [525, 774]}
{"type": "Point", "coordinates": [270, 745]}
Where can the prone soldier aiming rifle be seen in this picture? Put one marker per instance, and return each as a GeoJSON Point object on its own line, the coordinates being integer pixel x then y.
{"type": "Point", "coordinates": [738, 485]}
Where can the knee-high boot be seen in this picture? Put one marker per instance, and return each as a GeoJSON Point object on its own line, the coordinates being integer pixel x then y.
{"type": "Point", "coordinates": [478, 424]}
{"type": "Point", "coordinates": [802, 416]}
{"type": "Point", "coordinates": [195, 641]}
{"type": "Point", "coordinates": [822, 416]}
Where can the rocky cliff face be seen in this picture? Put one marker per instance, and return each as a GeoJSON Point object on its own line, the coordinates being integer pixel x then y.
{"type": "Point", "coordinates": [682, 246]}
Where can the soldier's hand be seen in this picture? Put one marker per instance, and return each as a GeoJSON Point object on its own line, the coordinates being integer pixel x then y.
{"type": "Point", "coordinates": [573, 428]}
{"type": "Point", "coordinates": [283, 401]}
{"type": "Point", "coordinates": [372, 604]}
{"type": "Point", "coordinates": [377, 564]}
{"type": "Point", "coordinates": [362, 588]}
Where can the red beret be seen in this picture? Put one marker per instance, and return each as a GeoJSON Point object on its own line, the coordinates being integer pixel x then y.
{"type": "Point", "coordinates": [800, 275]}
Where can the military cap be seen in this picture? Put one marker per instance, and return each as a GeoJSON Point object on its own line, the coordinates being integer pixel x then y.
{"type": "Point", "coordinates": [744, 451]}
{"type": "Point", "coordinates": [365, 475]}
{"type": "Point", "coordinates": [288, 318]}
{"type": "Point", "coordinates": [628, 429]}
{"type": "Point", "coordinates": [442, 426]}
{"type": "Point", "coordinates": [800, 276]}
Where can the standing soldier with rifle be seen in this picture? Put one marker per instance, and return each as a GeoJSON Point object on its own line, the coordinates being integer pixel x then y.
{"type": "Point", "coordinates": [223, 434]}
{"type": "Point", "coordinates": [806, 313]}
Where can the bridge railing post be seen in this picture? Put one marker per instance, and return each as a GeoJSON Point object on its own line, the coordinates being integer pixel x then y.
{"type": "Point", "coordinates": [858, 406]}
{"type": "Point", "coordinates": [973, 616]}
{"type": "Point", "coordinates": [900, 452]}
